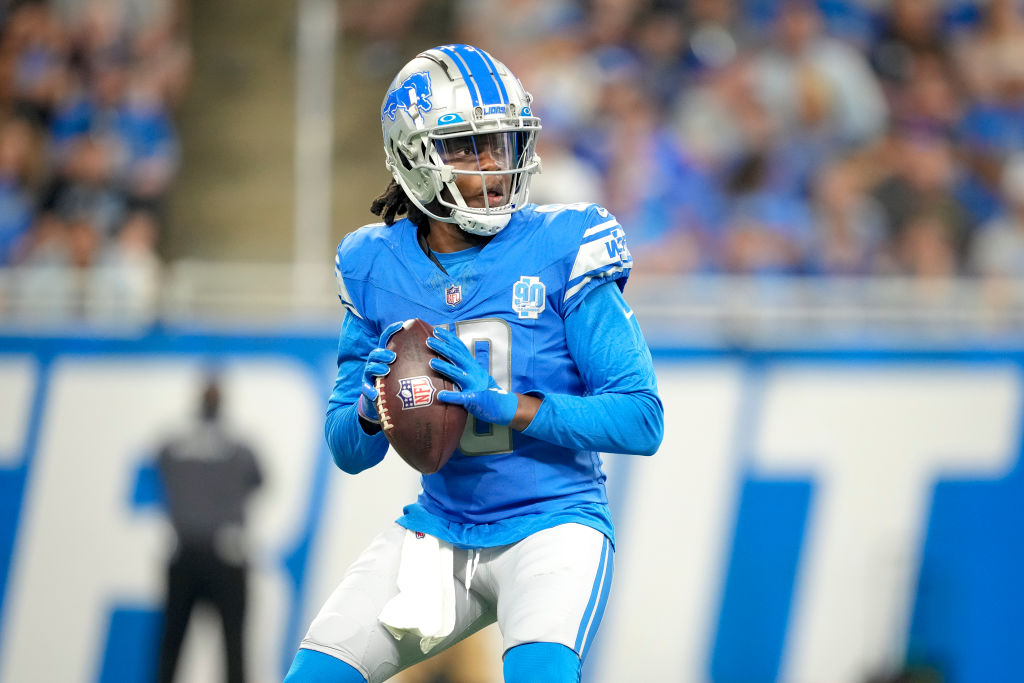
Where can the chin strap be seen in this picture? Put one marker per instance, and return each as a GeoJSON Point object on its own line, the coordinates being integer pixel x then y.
{"type": "Point", "coordinates": [475, 224]}
{"type": "Point", "coordinates": [484, 226]}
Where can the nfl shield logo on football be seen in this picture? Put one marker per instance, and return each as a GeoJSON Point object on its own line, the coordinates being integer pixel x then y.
{"type": "Point", "coordinates": [453, 295]}
{"type": "Point", "coordinates": [415, 392]}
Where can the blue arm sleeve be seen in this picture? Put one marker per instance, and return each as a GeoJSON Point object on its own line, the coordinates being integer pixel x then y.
{"type": "Point", "coordinates": [352, 448]}
{"type": "Point", "coordinates": [623, 412]}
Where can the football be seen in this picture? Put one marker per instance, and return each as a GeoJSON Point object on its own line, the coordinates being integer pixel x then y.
{"type": "Point", "coordinates": [421, 429]}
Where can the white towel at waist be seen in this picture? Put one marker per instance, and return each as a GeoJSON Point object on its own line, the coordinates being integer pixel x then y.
{"type": "Point", "coordinates": [425, 604]}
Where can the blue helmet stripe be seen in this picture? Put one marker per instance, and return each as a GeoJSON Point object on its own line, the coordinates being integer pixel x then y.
{"type": "Point", "coordinates": [474, 91]}
{"type": "Point", "coordinates": [475, 70]}
{"type": "Point", "coordinates": [493, 70]}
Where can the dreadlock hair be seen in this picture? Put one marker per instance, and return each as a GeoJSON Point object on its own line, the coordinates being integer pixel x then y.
{"type": "Point", "coordinates": [393, 202]}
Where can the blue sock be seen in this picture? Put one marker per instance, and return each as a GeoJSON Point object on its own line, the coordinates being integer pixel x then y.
{"type": "Point", "coordinates": [542, 663]}
{"type": "Point", "coordinates": [310, 666]}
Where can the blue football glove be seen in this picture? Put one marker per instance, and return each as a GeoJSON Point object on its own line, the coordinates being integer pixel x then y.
{"type": "Point", "coordinates": [377, 362]}
{"type": "Point", "coordinates": [480, 395]}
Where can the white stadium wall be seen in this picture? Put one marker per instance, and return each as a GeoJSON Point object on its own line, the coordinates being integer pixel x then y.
{"type": "Point", "coordinates": [811, 516]}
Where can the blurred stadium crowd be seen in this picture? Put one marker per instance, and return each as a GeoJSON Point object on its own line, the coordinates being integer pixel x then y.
{"type": "Point", "coordinates": [837, 138]}
{"type": "Point", "coordinates": [831, 138]}
{"type": "Point", "coordinates": [88, 150]}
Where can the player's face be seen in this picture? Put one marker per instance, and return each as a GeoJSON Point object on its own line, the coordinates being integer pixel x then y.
{"type": "Point", "coordinates": [486, 152]}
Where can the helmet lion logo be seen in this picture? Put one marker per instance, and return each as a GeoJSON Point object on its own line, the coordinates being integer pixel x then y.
{"type": "Point", "coordinates": [415, 90]}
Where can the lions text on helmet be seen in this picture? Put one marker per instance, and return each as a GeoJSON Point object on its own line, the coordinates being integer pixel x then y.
{"type": "Point", "coordinates": [459, 137]}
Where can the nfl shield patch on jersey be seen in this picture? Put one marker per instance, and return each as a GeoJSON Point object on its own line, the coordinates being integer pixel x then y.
{"type": "Point", "coordinates": [453, 295]}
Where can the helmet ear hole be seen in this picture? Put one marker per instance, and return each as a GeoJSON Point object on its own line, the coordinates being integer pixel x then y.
{"type": "Point", "coordinates": [416, 180]}
{"type": "Point", "coordinates": [404, 160]}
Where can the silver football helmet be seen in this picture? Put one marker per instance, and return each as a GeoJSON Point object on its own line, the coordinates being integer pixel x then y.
{"type": "Point", "coordinates": [452, 114]}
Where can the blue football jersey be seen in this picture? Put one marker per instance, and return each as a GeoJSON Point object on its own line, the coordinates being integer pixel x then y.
{"type": "Point", "coordinates": [508, 304]}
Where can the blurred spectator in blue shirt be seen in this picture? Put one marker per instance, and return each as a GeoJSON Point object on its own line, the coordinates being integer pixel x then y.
{"type": "Point", "coordinates": [660, 43]}
{"type": "Point", "coordinates": [849, 226]}
{"type": "Point", "coordinates": [669, 204]}
{"type": "Point", "coordinates": [126, 124]}
{"type": "Point", "coordinates": [19, 159]}
{"type": "Point", "coordinates": [39, 43]}
{"type": "Point", "coordinates": [801, 62]}
{"type": "Point", "coordinates": [991, 65]}
{"type": "Point", "coordinates": [766, 232]}
{"type": "Point", "coordinates": [718, 118]}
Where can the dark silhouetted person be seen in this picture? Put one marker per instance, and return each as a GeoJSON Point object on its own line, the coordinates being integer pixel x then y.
{"type": "Point", "coordinates": [207, 477]}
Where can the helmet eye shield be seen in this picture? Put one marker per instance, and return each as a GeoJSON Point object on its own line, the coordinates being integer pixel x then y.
{"type": "Point", "coordinates": [482, 152]}
{"type": "Point", "coordinates": [501, 160]}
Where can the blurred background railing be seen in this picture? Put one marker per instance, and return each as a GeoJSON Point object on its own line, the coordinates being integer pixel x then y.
{"type": "Point", "coordinates": [709, 309]}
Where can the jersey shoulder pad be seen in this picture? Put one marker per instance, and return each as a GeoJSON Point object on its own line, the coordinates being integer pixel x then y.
{"type": "Point", "coordinates": [596, 248]}
{"type": "Point", "coordinates": [352, 262]}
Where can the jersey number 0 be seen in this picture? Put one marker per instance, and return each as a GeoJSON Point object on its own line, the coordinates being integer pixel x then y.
{"type": "Point", "coordinates": [490, 341]}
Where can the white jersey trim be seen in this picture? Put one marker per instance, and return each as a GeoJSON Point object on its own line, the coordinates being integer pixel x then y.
{"type": "Point", "coordinates": [343, 294]}
{"type": "Point", "coordinates": [602, 255]}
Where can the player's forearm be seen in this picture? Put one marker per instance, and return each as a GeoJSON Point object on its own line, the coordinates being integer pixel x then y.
{"type": "Point", "coordinates": [351, 447]}
{"type": "Point", "coordinates": [612, 423]}
{"type": "Point", "coordinates": [525, 412]}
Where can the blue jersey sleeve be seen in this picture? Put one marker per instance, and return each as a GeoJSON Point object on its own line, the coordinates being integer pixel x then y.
{"type": "Point", "coordinates": [622, 412]}
{"type": "Point", "coordinates": [602, 256]}
{"type": "Point", "coordinates": [354, 261]}
{"type": "Point", "coordinates": [352, 448]}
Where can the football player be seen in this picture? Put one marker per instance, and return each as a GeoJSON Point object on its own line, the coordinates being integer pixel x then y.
{"type": "Point", "coordinates": [549, 362]}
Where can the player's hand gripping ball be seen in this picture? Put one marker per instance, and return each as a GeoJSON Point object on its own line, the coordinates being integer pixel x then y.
{"type": "Point", "coordinates": [421, 429]}
{"type": "Point", "coordinates": [478, 392]}
{"type": "Point", "coordinates": [378, 364]}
